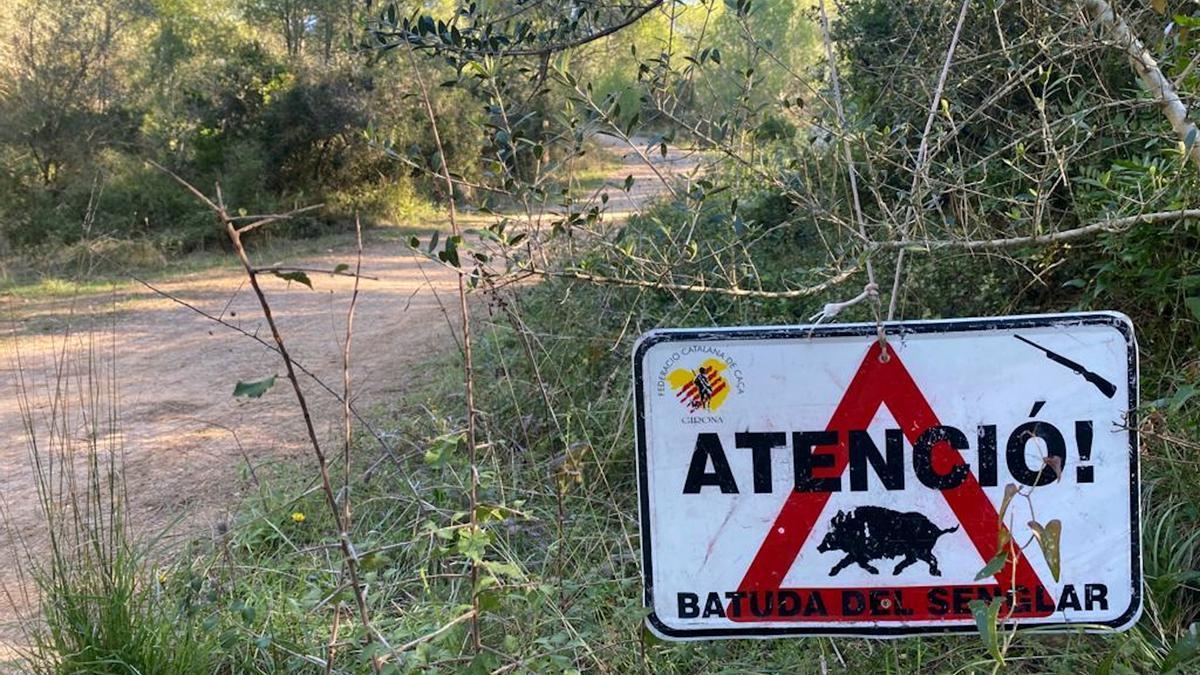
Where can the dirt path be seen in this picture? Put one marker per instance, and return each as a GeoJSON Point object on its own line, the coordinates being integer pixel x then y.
{"type": "Point", "coordinates": [176, 372]}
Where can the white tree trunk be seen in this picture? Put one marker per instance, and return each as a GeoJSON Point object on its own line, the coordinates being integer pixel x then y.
{"type": "Point", "coordinates": [1149, 72]}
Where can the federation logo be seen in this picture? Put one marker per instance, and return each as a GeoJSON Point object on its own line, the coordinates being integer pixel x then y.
{"type": "Point", "coordinates": [703, 388]}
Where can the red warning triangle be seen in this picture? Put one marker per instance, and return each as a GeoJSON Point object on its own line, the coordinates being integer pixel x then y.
{"type": "Point", "coordinates": [885, 383]}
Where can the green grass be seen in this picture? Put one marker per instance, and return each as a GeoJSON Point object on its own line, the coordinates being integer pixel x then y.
{"type": "Point", "coordinates": [561, 588]}
{"type": "Point", "coordinates": [563, 593]}
{"type": "Point", "coordinates": [102, 609]}
{"type": "Point", "coordinates": [28, 282]}
{"type": "Point", "coordinates": [104, 265]}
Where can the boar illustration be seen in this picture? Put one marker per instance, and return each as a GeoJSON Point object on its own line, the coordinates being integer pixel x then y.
{"type": "Point", "coordinates": [872, 532]}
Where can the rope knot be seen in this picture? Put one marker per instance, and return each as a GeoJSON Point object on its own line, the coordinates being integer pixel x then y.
{"type": "Point", "coordinates": [832, 309]}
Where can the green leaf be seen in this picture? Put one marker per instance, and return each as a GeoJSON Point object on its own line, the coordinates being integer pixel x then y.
{"type": "Point", "coordinates": [987, 619]}
{"type": "Point", "coordinates": [1010, 491]}
{"type": "Point", "coordinates": [628, 182]}
{"type": "Point", "coordinates": [341, 267]}
{"type": "Point", "coordinates": [993, 567]}
{"type": "Point", "coordinates": [482, 664]}
{"type": "Point", "coordinates": [488, 601]}
{"type": "Point", "coordinates": [298, 277]}
{"type": "Point", "coordinates": [473, 543]}
{"type": "Point", "coordinates": [1189, 141]}
{"type": "Point", "coordinates": [629, 126]}
{"type": "Point", "coordinates": [1048, 537]}
{"type": "Point", "coordinates": [503, 569]}
{"type": "Point", "coordinates": [1194, 305]}
{"type": "Point", "coordinates": [254, 389]}
{"type": "Point", "coordinates": [1181, 396]}
{"type": "Point", "coordinates": [374, 561]}
{"type": "Point", "coordinates": [1184, 651]}
{"type": "Point", "coordinates": [450, 254]}
{"type": "Point", "coordinates": [433, 241]}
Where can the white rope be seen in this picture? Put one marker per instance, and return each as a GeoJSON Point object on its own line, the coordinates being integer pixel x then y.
{"type": "Point", "coordinates": [832, 309]}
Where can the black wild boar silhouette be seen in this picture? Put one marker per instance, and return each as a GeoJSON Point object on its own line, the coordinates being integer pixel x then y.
{"type": "Point", "coordinates": [872, 532]}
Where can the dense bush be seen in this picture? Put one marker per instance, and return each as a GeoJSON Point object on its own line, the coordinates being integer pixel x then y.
{"type": "Point", "coordinates": [211, 96]}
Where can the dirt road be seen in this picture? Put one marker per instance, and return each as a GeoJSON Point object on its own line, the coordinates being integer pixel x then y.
{"type": "Point", "coordinates": [185, 438]}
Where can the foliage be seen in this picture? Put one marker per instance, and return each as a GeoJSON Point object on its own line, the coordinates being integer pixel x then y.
{"type": "Point", "coordinates": [531, 535]}
{"type": "Point", "coordinates": [206, 90]}
{"type": "Point", "coordinates": [102, 608]}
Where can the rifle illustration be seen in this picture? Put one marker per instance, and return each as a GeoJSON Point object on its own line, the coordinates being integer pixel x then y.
{"type": "Point", "coordinates": [1107, 388]}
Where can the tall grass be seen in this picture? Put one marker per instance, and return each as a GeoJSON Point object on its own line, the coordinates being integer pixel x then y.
{"type": "Point", "coordinates": [100, 608]}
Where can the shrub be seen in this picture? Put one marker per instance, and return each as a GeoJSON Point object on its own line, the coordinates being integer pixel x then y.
{"type": "Point", "coordinates": [103, 610]}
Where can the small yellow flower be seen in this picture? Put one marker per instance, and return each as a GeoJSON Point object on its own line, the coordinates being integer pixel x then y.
{"type": "Point", "coordinates": [162, 578]}
{"type": "Point", "coordinates": [298, 517]}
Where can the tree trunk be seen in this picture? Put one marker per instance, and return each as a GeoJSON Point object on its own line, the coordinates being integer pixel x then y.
{"type": "Point", "coordinates": [1148, 71]}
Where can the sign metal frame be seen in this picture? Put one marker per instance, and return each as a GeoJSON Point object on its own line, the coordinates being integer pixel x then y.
{"type": "Point", "coordinates": [894, 331]}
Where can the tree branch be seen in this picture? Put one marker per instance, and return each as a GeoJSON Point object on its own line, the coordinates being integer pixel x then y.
{"type": "Point", "coordinates": [283, 269]}
{"type": "Point", "coordinates": [699, 288]}
{"type": "Point", "coordinates": [554, 48]}
{"type": "Point", "coordinates": [1148, 71]}
{"type": "Point", "coordinates": [1109, 225]}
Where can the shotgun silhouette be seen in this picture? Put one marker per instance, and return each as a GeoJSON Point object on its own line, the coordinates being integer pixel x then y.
{"type": "Point", "coordinates": [1107, 388]}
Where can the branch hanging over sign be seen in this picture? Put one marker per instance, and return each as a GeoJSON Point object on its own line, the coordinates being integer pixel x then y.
{"type": "Point", "coordinates": [1107, 225]}
{"type": "Point", "coordinates": [1148, 71]}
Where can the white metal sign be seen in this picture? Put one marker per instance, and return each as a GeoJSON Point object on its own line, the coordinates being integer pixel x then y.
{"type": "Point", "coordinates": [798, 480]}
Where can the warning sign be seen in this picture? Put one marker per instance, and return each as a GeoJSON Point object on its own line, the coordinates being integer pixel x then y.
{"type": "Point", "coordinates": [799, 481]}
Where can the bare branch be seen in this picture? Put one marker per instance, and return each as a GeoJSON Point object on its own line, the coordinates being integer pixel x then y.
{"type": "Point", "coordinates": [547, 50]}
{"type": "Point", "coordinates": [468, 361]}
{"type": "Point", "coordinates": [349, 555]}
{"type": "Point", "coordinates": [698, 288]}
{"type": "Point", "coordinates": [283, 269]}
{"type": "Point", "coordinates": [1151, 75]}
{"type": "Point", "coordinates": [919, 170]}
{"type": "Point", "coordinates": [188, 186]}
{"type": "Point", "coordinates": [1110, 225]}
{"type": "Point", "coordinates": [276, 217]}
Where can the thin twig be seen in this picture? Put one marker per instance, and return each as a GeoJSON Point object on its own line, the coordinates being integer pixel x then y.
{"type": "Point", "coordinates": [284, 269]}
{"type": "Point", "coordinates": [281, 216]}
{"type": "Point", "coordinates": [1109, 225]}
{"type": "Point", "coordinates": [699, 288]}
{"type": "Point", "coordinates": [919, 170]}
{"type": "Point", "coordinates": [331, 648]}
{"type": "Point", "coordinates": [468, 362]}
{"type": "Point", "coordinates": [435, 634]}
{"type": "Point", "coordinates": [415, 40]}
{"type": "Point", "coordinates": [347, 427]}
{"type": "Point", "coordinates": [835, 82]}
{"type": "Point", "coordinates": [349, 556]}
